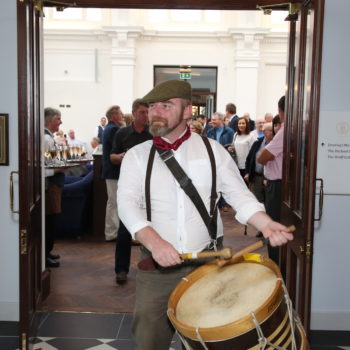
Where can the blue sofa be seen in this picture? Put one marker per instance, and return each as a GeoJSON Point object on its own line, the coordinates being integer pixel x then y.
{"type": "Point", "coordinates": [75, 219]}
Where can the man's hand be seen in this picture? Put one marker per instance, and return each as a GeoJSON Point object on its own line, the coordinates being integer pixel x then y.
{"type": "Point", "coordinates": [277, 233]}
{"type": "Point", "coordinates": [162, 251]}
{"type": "Point", "coordinates": [116, 158]}
{"type": "Point", "coordinates": [165, 254]}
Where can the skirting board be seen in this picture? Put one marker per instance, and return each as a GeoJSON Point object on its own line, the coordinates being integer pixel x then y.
{"type": "Point", "coordinates": [9, 311]}
{"type": "Point", "coordinates": [330, 320]}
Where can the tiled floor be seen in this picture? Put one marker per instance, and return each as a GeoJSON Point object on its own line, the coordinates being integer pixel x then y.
{"type": "Point", "coordinates": [78, 331]}
{"type": "Point", "coordinates": [90, 331]}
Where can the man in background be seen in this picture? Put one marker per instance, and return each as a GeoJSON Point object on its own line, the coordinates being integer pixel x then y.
{"type": "Point", "coordinates": [54, 182]}
{"type": "Point", "coordinates": [220, 132]}
{"type": "Point", "coordinates": [123, 140]}
{"type": "Point", "coordinates": [231, 111]}
{"type": "Point", "coordinates": [258, 131]}
{"type": "Point", "coordinates": [110, 172]}
{"type": "Point", "coordinates": [268, 117]}
{"type": "Point", "coordinates": [100, 128]}
{"type": "Point", "coordinates": [71, 139]}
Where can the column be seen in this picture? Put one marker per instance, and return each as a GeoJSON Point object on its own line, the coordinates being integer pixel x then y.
{"type": "Point", "coordinates": [247, 64]}
{"type": "Point", "coordinates": [123, 57]}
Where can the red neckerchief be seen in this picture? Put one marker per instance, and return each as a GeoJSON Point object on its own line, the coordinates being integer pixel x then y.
{"type": "Point", "coordinates": [162, 144]}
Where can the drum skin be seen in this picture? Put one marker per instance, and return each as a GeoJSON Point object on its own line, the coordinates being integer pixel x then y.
{"type": "Point", "coordinates": [272, 316]}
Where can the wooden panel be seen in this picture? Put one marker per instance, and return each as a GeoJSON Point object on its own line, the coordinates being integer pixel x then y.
{"type": "Point", "coordinates": [29, 128]}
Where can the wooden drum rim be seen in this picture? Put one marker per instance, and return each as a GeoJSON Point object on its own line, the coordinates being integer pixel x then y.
{"type": "Point", "coordinates": [237, 327]}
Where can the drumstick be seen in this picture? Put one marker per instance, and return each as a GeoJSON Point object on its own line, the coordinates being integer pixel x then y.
{"type": "Point", "coordinates": [225, 253]}
{"type": "Point", "coordinates": [250, 248]}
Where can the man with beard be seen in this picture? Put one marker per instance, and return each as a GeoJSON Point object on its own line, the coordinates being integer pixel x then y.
{"type": "Point", "coordinates": [164, 219]}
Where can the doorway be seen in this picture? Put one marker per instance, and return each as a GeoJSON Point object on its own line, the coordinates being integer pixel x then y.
{"type": "Point", "coordinates": [317, 6]}
{"type": "Point", "coordinates": [64, 80]}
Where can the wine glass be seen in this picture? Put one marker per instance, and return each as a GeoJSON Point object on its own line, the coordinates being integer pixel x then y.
{"type": "Point", "coordinates": [65, 154]}
{"type": "Point", "coordinates": [47, 156]}
{"type": "Point", "coordinates": [79, 150]}
{"type": "Point", "coordinates": [53, 153]}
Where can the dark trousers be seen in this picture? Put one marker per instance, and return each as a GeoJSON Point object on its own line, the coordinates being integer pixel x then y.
{"type": "Point", "coordinates": [50, 231]}
{"type": "Point", "coordinates": [273, 201]}
{"type": "Point", "coordinates": [222, 202]}
{"type": "Point", "coordinates": [122, 250]}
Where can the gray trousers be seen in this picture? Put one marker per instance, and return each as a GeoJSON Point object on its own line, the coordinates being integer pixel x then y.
{"type": "Point", "coordinates": [151, 327]}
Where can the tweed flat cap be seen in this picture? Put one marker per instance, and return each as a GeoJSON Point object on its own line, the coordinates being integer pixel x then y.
{"type": "Point", "coordinates": [169, 89]}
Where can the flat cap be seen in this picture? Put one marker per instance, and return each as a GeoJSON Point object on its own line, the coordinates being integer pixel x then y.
{"type": "Point", "coordinates": [169, 89]}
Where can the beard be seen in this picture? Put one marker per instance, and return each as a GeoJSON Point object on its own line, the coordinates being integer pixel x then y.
{"type": "Point", "coordinates": [161, 128]}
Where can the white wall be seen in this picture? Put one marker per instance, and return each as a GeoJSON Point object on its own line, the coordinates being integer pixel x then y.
{"type": "Point", "coordinates": [9, 260]}
{"type": "Point", "coordinates": [139, 44]}
{"type": "Point", "coordinates": [78, 74]}
{"type": "Point", "coordinates": [331, 283]}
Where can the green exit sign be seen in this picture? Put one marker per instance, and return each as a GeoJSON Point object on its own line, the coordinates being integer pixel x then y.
{"type": "Point", "coordinates": [185, 75]}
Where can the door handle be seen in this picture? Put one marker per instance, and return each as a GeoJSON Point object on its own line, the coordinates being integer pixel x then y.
{"type": "Point", "coordinates": [320, 201]}
{"type": "Point", "coordinates": [11, 193]}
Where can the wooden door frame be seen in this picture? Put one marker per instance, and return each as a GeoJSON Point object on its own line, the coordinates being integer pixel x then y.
{"type": "Point", "coordinates": [30, 201]}
{"type": "Point", "coordinates": [307, 222]}
{"type": "Point", "coordinates": [24, 105]}
{"type": "Point", "coordinates": [290, 201]}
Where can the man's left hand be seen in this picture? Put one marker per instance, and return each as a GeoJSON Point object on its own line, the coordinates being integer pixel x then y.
{"type": "Point", "coordinates": [277, 233]}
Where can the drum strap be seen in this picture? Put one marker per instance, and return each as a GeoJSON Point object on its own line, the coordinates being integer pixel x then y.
{"type": "Point", "coordinates": [186, 184]}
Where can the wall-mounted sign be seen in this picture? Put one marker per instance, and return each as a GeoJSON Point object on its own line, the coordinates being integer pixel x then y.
{"type": "Point", "coordinates": [333, 163]}
{"type": "Point", "coordinates": [185, 72]}
{"type": "Point", "coordinates": [185, 75]}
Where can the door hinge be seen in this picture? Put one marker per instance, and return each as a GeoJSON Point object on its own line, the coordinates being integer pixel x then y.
{"type": "Point", "coordinates": [38, 5]}
{"type": "Point", "coordinates": [24, 341]}
{"type": "Point", "coordinates": [24, 242]}
{"type": "Point", "coordinates": [307, 250]}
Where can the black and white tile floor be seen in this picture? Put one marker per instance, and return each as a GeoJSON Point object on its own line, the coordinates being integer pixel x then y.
{"type": "Point", "coordinates": [89, 331]}
{"type": "Point", "coordinates": [77, 331]}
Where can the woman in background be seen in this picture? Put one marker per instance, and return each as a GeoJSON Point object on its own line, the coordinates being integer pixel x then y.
{"type": "Point", "coordinates": [241, 144]}
{"type": "Point", "coordinates": [196, 126]}
{"type": "Point", "coordinates": [60, 139]}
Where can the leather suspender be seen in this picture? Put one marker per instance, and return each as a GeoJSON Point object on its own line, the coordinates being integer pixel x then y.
{"type": "Point", "coordinates": [148, 182]}
{"type": "Point", "coordinates": [187, 185]}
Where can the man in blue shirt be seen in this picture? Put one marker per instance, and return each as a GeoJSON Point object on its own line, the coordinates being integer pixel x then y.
{"type": "Point", "coordinates": [224, 135]}
{"type": "Point", "coordinates": [220, 132]}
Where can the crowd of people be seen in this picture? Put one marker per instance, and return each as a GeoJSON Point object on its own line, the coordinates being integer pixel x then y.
{"type": "Point", "coordinates": [230, 160]}
{"type": "Point", "coordinates": [245, 140]}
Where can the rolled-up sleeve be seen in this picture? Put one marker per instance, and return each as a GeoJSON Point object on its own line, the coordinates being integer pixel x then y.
{"type": "Point", "coordinates": [234, 189]}
{"type": "Point", "coordinates": [130, 198]}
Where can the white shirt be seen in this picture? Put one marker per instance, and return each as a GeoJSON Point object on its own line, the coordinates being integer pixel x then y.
{"type": "Point", "coordinates": [174, 216]}
{"type": "Point", "coordinates": [242, 144]}
{"type": "Point", "coordinates": [73, 142]}
{"type": "Point", "coordinates": [49, 142]}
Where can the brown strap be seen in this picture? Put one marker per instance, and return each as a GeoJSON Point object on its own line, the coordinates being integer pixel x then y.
{"type": "Point", "coordinates": [214, 195]}
{"type": "Point", "coordinates": [148, 182]}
